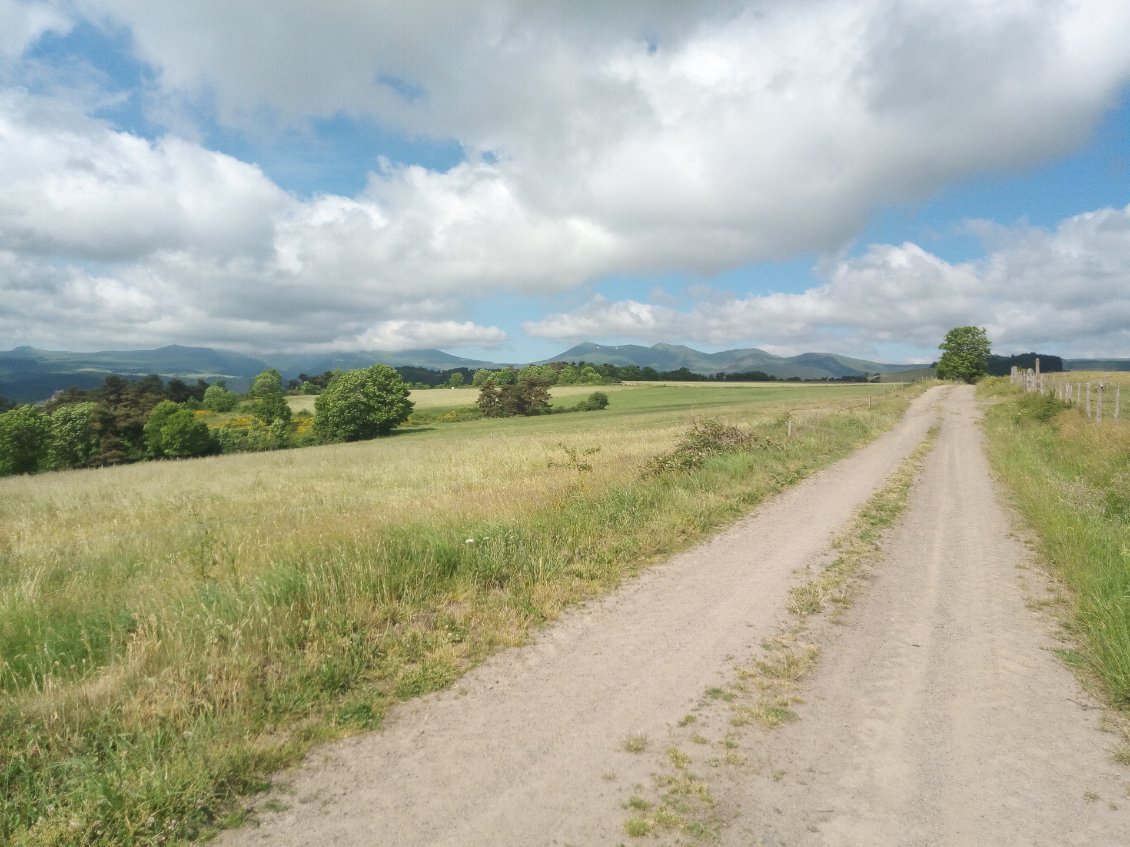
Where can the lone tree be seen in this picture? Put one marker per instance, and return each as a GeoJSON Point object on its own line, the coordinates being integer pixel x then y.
{"type": "Point", "coordinates": [965, 354]}
{"type": "Point", "coordinates": [361, 404]}
{"type": "Point", "coordinates": [267, 391]}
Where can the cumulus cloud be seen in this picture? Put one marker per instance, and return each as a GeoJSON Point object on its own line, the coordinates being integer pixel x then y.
{"type": "Point", "coordinates": [698, 136]}
{"type": "Point", "coordinates": [1036, 290]}
{"type": "Point", "coordinates": [599, 139]}
{"type": "Point", "coordinates": [407, 335]}
{"type": "Point", "coordinates": [22, 24]}
{"type": "Point", "coordinates": [74, 187]}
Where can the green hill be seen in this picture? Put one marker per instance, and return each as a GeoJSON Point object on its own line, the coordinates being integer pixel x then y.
{"type": "Point", "coordinates": [670, 357]}
{"type": "Point", "coordinates": [29, 375]}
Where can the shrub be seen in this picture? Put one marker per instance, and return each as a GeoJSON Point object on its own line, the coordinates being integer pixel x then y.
{"type": "Point", "coordinates": [176, 432]}
{"type": "Point", "coordinates": [218, 399]}
{"type": "Point", "coordinates": [706, 437]}
{"type": "Point", "coordinates": [362, 404]}
{"type": "Point", "coordinates": [594, 402]}
{"type": "Point", "coordinates": [1040, 407]}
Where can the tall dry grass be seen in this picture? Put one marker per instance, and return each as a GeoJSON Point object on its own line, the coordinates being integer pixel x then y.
{"type": "Point", "coordinates": [1070, 478]}
{"type": "Point", "coordinates": [172, 632]}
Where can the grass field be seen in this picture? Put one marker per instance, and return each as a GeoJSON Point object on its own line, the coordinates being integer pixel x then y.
{"type": "Point", "coordinates": [172, 632]}
{"type": "Point", "coordinates": [1070, 479]}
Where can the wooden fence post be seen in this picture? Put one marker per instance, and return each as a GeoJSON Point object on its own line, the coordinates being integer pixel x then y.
{"type": "Point", "coordinates": [1088, 401]}
{"type": "Point", "coordinates": [1117, 400]}
{"type": "Point", "coordinates": [1099, 408]}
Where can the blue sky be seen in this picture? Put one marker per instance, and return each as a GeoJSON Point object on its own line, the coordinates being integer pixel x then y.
{"type": "Point", "coordinates": [504, 179]}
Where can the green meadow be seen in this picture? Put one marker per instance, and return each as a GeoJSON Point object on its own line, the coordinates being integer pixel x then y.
{"type": "Point", "coordinates": [1070, 479]}
{"type": "Point", "coordinates": [171, 633]}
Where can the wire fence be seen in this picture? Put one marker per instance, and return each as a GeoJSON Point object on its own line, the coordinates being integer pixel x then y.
{"type": "Point", "coordinates": [1095, 399]}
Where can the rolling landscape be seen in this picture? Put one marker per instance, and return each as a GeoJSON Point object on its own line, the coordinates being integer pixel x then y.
{"type": "Point", "coordinates": [31, 375]}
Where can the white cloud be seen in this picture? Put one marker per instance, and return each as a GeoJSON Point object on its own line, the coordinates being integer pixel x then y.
{"type": "Point", "coordinates": [700, 136]}
{"type": "Point", "coordinates": [625, 138]}
{"type": "Point", "coordinates": [1061, 291]}
{"type": "Point", "coordinates": [75, 188]}
{"type": "Point", "coordinates": [407, 335]}
{"type": "Point", "coordinates": [22, 24]}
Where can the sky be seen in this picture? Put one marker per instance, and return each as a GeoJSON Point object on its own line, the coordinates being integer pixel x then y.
{"type": "Point", "coordinates": [503, 179]}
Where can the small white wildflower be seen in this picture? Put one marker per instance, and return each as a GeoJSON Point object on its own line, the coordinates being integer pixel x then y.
{"type": "Point", "coordinates": [469, 541]}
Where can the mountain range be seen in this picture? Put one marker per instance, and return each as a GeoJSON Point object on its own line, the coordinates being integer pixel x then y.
{"type": "Point", "coordinates": [670, 357]}
{"type": "Point", "coordinates": [30, 375]}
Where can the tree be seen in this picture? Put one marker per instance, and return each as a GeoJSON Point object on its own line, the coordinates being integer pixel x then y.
{"type": "Point", "coordinates": [362, 404]}
{"type": "Point", "coordinates": [218, 399]}
{"type": "Point", "coordinates": [154, 440]}
{"type": "Point", "coordinates": [480, 378]}
{"type": "Point", "coordinates": [965, 354]}
{"type": "Point", "coordinates": [267, 392]}
{"type": "Point", "coordinates": [545, 373]}
{"type": "Point", "coordinates": [184, 435]}
{"type": "Point", "coordinates": [456, 380]}
{"type": "Point", "coordinates": [177, 433]}
{"type": "Point", "coordinates": [568, 375]}
{"type": "Point", "coordinates": [590, 376]}
{"type": "Point", "coordinates": [73, 438]}
{"type": "Point", "coordinates": [526, 397]}
{"type": "Point", "coordinates": [488, 400]}
{"type": "Point", "coordinates": [506, 376]}
{"type": "Point", "coordinates": [23, 439]}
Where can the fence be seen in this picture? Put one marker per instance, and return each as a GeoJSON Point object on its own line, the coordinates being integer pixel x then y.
{"type": "Point", "coordinates": [1092, 398]}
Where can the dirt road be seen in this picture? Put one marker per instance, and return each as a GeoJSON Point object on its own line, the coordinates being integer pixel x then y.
{"type": "Point", "coordinates": [938, 714]}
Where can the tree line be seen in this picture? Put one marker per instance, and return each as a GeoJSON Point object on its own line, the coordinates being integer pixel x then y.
{"type": "Point", "coordinates": [125, 421]}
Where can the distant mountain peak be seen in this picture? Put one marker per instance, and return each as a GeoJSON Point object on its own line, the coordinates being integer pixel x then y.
{"type": "Point", "coordinates": [671, 357]}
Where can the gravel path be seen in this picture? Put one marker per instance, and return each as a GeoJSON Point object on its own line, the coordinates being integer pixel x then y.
{"type": "Point", "coordinates": [938, 715]}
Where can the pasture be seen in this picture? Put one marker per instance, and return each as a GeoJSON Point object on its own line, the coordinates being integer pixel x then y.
{"type": "Point", "coordinates": [1069, 478]}
{"type": "Point", "coordinates": [172, 632]}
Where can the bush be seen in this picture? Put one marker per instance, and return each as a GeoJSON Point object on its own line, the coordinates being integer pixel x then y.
{"type": "Point", "coordinates": [218, 399]}
{"type": "Point", "coordinates": [1040, 407]}
{"type": "Point", "coordinates": [705, 438]}
{"type": "Point", "coordinates": [177, 433]}
{"type": "Point", "coordinates": [362, 404]}
{"type": "Point", "coordinates": [250, 434]}
{"type": "Point", "coordinates": [594, 402]}
{"type": "Point", "coordinates": [184, 435]}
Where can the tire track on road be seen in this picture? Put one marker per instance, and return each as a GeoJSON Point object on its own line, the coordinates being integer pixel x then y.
{"type": "Point", "coordinates": [940, 715]}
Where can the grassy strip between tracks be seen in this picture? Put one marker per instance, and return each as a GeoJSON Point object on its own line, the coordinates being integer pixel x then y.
{"type": "Point", "coordinates": [1070, 479]}
{"type": "Point", "coordinates": [171, 634]}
